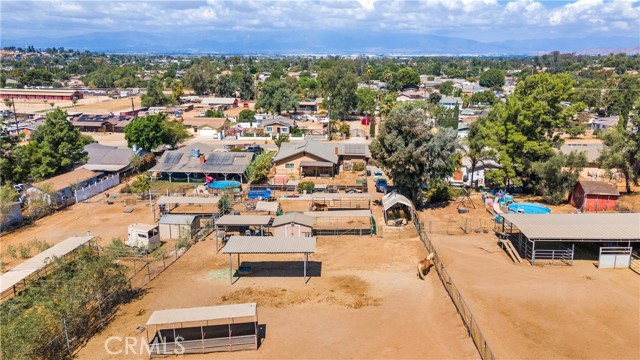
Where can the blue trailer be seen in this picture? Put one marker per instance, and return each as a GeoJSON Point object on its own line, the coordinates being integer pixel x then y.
{"type": "Point", "coordinates": [259, 194]}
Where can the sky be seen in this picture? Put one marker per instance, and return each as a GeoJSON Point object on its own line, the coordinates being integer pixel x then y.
{"type": "Point", "coordinates": [485, 21]}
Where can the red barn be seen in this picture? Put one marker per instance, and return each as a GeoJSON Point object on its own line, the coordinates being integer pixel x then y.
{"type": "Point", "coordinates": [594, 196]}
{"type": "Point", "coordinates": [41, 94]}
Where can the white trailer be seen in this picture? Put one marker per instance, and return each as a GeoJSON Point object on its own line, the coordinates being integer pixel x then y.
{"type": "Point", "coordinates": [144, 236]}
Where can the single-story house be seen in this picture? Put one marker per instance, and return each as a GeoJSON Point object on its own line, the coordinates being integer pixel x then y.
{"type": "Point", "coordinates": [317, 159]}
{"type": "Point", "coordinates": [591, 149]}
{"type": "Point", "coordinates": [26, 128]}
{"type": "Point", "coordinates": [203, 126]}
{"type": "Point", "coordinates": [409, 97]}
{"type": "Point", "coordinates": [293, 224]}
{"type": "Point", "coordinates": [603, 123]}
{"type": "Point", "coordinates": [464, 172]}
{"type": "Point", "coordinates": [110, 159]}
{"type": "Point", "coordinates": [176, 226]}
{"type": "Point", "coordinates": [63, 186]}
{"type": "Point", "coordinates": [276, 126]}
{"type": "Point", "coordinates": [40, 94]}
{"type": "Point", "coordinates": [310, 106]}
{"type": "Point", "coordinates": [196, 161]}
{"type": "Point", "coordinates": [450, 102]}
{"type": "Point", "coordinates": [134, 111]}
{"type": "Point", "coordinates": [101, 123]}
{"type": "Point", "coordinates": [220, 102]}
{"type": "Point", "coordinates": [594, 196]}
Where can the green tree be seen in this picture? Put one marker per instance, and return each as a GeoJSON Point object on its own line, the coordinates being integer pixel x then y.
{"type": "Point", "coordinates": [475, 147]}
{"type": "Point", "coordinates": [174, 132]}
{"type": "Point", "coordinates": [414, 153]}
{"type": "Point", "coordinates": [260, 167]}
{"type": "Point", "coordinates": [176, 90]}
{"type": "Point", "coordinates": [276, 98]}
{"type": "Point", "coordinates": [487, 97]}
{"type": "Point", "coordinates": [446, 88]}
{"type": "Point", "coordinates": [372, 126]}
{"type": "Point", "coordinates": [435, 98]}
{"type": "Point", "coordinates": [141, 184]}
{"type": "Point", "coordinates": [224, 204]}
{"type": "Point", "coordinates": [247, 115]}
{"type": "Point", "coordinates": [621, 152]}
{"type": "Point", "coordinates": [154, 95]}
{"type": "Point", "coordinates": [210, 113]}
{"type": "Point", "coordinates": [387, 104]}
{"type": "Point", "coordinates": [366, 100]}
{"type": "Point", "coordinates": [147, 132]}
{"type": "Point", "coordinates": [200, 77]}
{"type": "Point", "coordinates": [492, 78]}
{"type": "Point", "coordinates": [404, 78]}
{"type": "Point", "coordinates": [339, 83]}
{"type": "Point", "coordinates": [54, 148]}
{"type": "Point", "coordinates": [558, 175]}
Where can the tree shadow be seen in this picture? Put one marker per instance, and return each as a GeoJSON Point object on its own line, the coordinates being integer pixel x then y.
{"type": "Point", "coordinates": [280, 269]}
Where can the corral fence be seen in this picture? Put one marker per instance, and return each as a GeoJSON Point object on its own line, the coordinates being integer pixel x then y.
{"type": "Point", "coordinates": [97, 188]}
{"type": "Point", "coordinates": [456, 297]}
{"type": "Point", "coordinates": [460, 226]}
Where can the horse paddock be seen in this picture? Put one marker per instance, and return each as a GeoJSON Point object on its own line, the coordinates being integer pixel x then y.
{"type": "Point", "coordinates": [363, 300]}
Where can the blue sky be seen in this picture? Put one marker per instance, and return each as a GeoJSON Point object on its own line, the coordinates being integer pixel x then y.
{"type": "Point", "coordinates": [480, 20]}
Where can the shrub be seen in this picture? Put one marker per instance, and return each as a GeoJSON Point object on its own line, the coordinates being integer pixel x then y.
{"type": "Point", "coordinates": [439, 193]}
{"type": "Point", "coordinates": [306, 185]}
{"type": "Point", "coordinates": [12, 252]}
{"type": "Point", "coordinates": [224, 204]}
{"type": "Point", "coordinates": [24, 251]}
{"type": "Point", "coordinates": [39, 245]}
{"type": "Point", "coordinates": [126, 189]}
{"type": "Point", "coordinates": [358, 167]}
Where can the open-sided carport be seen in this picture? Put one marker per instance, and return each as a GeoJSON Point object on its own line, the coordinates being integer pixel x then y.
{"type": "Point", "coordinates": [269, 245]}
{"type": "Point", "coordinates": [553, 236]}
{"type": "Point", "coordinates": [241, 221]}
{"type": "Point", "coordinates": [203, 330]}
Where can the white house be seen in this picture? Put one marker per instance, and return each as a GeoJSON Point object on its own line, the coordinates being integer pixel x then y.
{"type": "Point", "coordinates": [450, 102]}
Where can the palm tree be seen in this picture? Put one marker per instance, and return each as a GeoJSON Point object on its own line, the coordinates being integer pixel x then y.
{"type": "Point", "coordinates": [369, 73]}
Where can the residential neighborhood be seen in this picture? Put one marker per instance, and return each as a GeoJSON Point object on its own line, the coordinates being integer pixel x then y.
{"type": "Point", "coordinates": [163, 202]}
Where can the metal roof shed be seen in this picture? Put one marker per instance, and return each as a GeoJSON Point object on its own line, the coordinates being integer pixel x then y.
{"type": "Point", "coordinates": [205, 329]}
{"type": "Point", "coordinates": [19, 274]}
{"type": "Point", "coordinates": [268, 245]}
{"type": "Point", "coordinates": [241, 221]}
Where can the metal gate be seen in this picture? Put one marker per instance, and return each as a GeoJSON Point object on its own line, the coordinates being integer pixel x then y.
{"type": "Point", "coordinates": [614, 257]}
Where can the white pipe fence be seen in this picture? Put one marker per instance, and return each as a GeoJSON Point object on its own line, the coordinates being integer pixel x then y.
{"type": "Point", "coordinates": [97, 188]}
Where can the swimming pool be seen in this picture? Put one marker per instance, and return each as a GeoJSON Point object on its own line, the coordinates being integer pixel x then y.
{"type": "Point", "coordinates": [224, 184]}
{"type": "Point", "coordinates": [528, 208]}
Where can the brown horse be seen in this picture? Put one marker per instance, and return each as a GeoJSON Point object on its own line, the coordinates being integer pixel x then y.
{"type": "Point", "coordinates": [424, 265]}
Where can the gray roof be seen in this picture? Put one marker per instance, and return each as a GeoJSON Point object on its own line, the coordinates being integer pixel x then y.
{"type": "Point", "coordinates": [394, 198]}
{"type": "Point", "coordinates": [243, 220]}
{"type": "Point", "coordinates": [279, 120]}
{"type": "Point", "coordinates": [187, 200]}
{"type": "Point", "coordinates": [38, 262]}
{"type": "Point", "coordinates": [215, 162]}
{"type": "Point", "coordinates": [592, 149]}
{"type": "Point", "coordinates": [347, 149]}
{"type": "Point", "coordinates": [107, 157]}
{"type": "Point", "coordinates": [269, 245]}
{"type": "Point", "coordinates": [450, 100]}
{"type": "Point", "coordinates": [177, 219]}
{"type": "Point", "coordinates": [267, 206]}
{"type": "Point", "coordinates": [218, 101]}
{"type": "Point", "coordinates": [315, 148]}
{"type": "Point", "coordinates": [598, 188]}
{"type": "Point", "coordinates": [578, 227]}
{"type": "Point", "coordinates": [204, 313]}
{"type": "Point", "coordinates": [293, 217]}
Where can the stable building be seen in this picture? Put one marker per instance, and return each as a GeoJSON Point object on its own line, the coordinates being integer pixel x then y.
{"type": "Point", "coordinates": [40, 94]}
{"type": "Point", "coordinates": [594, 196]}
{"type": "Point", "coordinates": [176, 226]}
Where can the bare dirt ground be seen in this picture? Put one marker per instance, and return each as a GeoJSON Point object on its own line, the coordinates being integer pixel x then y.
{"type": "Point", "coordinates": [367, 303]}
{"type": "Point", "coordinates": [88, 105]}
{"type": "Point", "coordinates": [542, 311]}
{"type": "Point", "coordinates": [103, 220]}
{"type": "Point", "coordinates": [111, 139]}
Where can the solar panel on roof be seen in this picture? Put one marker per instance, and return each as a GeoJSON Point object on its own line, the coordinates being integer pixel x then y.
{"type": "Point", "coordinates": [354, 149]}
{"type": "Point", "coordinates": [220, 159]}
{"type": "Point", "coordinates": [172, 158]}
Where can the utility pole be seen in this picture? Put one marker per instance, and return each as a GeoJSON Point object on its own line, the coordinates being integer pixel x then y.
{"type": "Point", "coordinates": [329, 116]}
{"type": "Point", "coordinates": [133, 108]}
{"type": "Point", "coordinates": [15, 116]}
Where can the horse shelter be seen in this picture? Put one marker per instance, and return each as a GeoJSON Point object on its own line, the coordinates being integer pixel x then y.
{"type": "Point", "coordinates": [553, 237]}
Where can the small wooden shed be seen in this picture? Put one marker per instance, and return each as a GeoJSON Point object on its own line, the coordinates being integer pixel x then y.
{"type": "Point", "coordinates": [293, 224]}
{"type": "Point", "coordinates": [594, 196]}
{"type": "Point", "coordinates": [173, 226]}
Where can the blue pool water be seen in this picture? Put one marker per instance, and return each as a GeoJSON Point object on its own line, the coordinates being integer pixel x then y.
{"type": "Point", "coordinates": [224, 184]}
{"type": "Point", "coordinates": [529, 208]}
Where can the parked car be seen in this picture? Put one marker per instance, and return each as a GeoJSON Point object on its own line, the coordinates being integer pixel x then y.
{"type": "Point", "coordinates": [255, 149]}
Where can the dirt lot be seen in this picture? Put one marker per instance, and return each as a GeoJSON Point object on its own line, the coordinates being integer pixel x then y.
{"type": "Point", "coordinates": [532, 312]}
{"type": "Point", "coordinates": [103, 220]}
{"type": "Point", "coordinates": [367, 303]}
{"type": "Point", "coordinates": [88, 105]}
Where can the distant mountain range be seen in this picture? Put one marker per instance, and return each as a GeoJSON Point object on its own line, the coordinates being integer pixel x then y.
{"type": "Point", "coordinates": [274, 42]}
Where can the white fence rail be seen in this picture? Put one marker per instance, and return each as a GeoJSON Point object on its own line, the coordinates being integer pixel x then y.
{"type": "Point", "coordinates": [95, 189]}
{"type": "Point", "coordinates": [614, 257]}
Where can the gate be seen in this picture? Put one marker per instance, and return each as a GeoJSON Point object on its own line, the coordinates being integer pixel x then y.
{"type": "Point", "coordinates": [614, 257]}
{"type": "Point", "coordinates": [94, 189]}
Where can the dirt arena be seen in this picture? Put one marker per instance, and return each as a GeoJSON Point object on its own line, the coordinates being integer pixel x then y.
{"type": "Point", "coordinates": [542, 311]}
{"type": "Point", "coordinates": [88, 105]}
{"type": "Point", "coordinates": [366, 303]}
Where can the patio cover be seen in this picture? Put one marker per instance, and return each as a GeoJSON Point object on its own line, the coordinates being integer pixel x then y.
{"type": "Point", "coordinates": [578, 227]}
{"type": "Point", "coordinates": [243, 220]}
{"type": "Point", "coordinates": [316, 163]}
{"type": "Point", "coordinates": [269, 206]}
